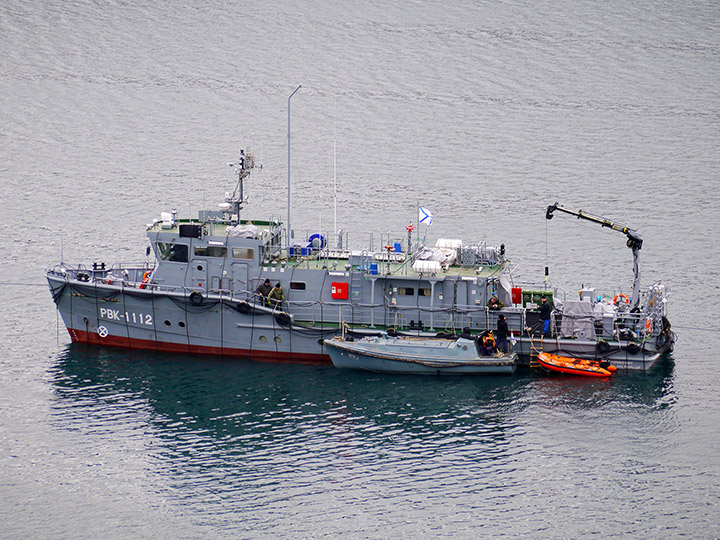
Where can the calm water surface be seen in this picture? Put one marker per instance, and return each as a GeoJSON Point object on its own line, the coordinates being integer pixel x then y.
{"type": "Point", "coordinates": [483, 112]}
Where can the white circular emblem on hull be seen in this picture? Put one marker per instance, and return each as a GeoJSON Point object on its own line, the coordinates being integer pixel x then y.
{"type": "Point", "coordinates": [102, 331]}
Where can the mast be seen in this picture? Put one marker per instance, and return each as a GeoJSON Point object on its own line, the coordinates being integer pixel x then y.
{"type": "Point", "coordinates": [287, 239]}
{"type": "Point", "coordinates": [234, 202]}
{"type": "Point", "coordinates": [335, 229]}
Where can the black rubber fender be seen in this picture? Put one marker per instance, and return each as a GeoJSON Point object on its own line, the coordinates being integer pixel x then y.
{"type": "Point", "coordinates": [243, 307]}
{"type": "Point", "coordinates": [196, 298]}
{"type": "Point", "coordinates": [282, 318]}
{"type": "Point", "coordinates": [633, 348]}
{"type": "Point", "coordinates": [603, 346]}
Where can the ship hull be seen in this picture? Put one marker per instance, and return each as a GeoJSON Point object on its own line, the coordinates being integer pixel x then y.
{"type": "Point", "coordinates": [148, 320]}
{"type": "Point", "coordinates": [222, 325]}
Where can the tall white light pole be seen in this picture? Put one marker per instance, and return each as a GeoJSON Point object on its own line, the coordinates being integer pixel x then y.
{"type": "Point", "coordinates": [288, 218]}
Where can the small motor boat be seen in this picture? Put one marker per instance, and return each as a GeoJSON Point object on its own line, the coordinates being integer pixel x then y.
{"type": "Point", "coordinates": [575, 366]}
{"type": "Point", "coordinates": [429, 356]}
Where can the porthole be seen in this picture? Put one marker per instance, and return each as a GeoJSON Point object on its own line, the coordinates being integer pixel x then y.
{"type": "Point", "coordinates": [168, 323]}
{"type": "Point", "coordinates": [181, 324]}
{"type": "Point", "coordinates": [200, 267]}
{"type": "Point", "coordinates": [277, 339]}
{"type": "Point", "coordinates": [263, 339]}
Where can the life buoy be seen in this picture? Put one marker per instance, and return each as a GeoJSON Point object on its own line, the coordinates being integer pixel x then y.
{"type": "Point", "coordinates": [621, 297]}
{"type": "Point", "coordinates": [488, 341]}
{"type": "Point", "coordinates": [648, 325]}
{"type": "Point", "coordinates": [145, 279]}
{"type": "Point", "coordinates": [196, 298]}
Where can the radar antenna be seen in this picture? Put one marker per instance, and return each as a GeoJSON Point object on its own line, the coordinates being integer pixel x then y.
{"type": "Point", "coordinates": [244, 165]}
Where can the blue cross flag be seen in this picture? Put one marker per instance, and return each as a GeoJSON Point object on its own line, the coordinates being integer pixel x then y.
{"type": "Point", "coordinates": [424, 216]}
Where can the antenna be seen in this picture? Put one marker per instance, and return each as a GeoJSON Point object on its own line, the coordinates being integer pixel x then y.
{"type": "Point", "coordinates": [233, 202]}
{"type": "Point", "coordinates": [335, 229]}
{"type": "Point", "coordinates": [288, 202]}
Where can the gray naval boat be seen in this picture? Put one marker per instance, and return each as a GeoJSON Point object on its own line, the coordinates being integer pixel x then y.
{"type": "Point", "coordinates": [416, 355]}
{"type": "Point", "coordinates": [199, 295]}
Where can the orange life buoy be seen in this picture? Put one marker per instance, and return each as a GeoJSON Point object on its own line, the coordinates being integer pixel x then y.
{"type": "Point", "coordinates": [145, 279]}
{"type": "Point", "coordinates": [621, 297]}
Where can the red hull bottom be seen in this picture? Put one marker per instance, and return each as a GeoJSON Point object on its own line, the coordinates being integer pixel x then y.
{"type": "Point", "coordinates": [91, 338]}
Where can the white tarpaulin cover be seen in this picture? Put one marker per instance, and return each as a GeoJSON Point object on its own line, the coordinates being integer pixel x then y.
{"type": "Point", "coordinates": [243, 231]}
{"type": "Point", "coordinates": [444, 256]}
{"type": "Point", "coordinates": [604, 310]}
{"type": "Point", "coordinates": [578, 320]}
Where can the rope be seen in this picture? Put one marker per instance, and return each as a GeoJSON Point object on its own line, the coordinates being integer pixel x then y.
{"type": "Point", "coordinates": [546, 251]}
{"type": "Point", "coordinates": [697, 328]}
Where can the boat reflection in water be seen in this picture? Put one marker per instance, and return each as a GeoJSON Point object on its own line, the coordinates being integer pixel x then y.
{"type": "Point", "coordinates": [220, 439]}
{"type": "Point", "coordinates": [243, 403]}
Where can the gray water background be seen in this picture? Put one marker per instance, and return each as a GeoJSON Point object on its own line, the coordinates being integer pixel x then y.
{"type": "Point", "coordinates": [484, 112]}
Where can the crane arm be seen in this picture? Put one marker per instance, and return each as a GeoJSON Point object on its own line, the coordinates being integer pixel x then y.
{"type": "Point", "coordinates": [634, 237]}
{"type": "Point", "coordinates": [634, 240]}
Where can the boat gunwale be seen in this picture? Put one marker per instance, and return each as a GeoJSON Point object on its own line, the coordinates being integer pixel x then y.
{"type": "Point", "coordinates": [433, 362]}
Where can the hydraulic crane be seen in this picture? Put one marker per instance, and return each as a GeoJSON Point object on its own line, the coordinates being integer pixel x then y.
{"type": "Point", "coordinates": [634, 241]}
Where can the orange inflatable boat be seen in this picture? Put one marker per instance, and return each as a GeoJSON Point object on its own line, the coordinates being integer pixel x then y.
{"type": "Point", "coordinates": [575, 366]}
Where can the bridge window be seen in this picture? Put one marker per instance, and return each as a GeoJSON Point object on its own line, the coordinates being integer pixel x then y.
{"type": "Point", "coordinates": [247, 254]}
{"type": "Point", "coordinates": [172, 252]}
{"type": "Point", "coordinates": [210, 251]}
{"type": "Point", "coordinates": [406, 291]}
{"type": "Point", "coordinates": [424, 291]}
{"type": "Point", "coordinates": [297, 285]}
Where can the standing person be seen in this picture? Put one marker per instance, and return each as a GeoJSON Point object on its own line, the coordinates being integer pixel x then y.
{"type": "Point", "coordinates": [502, 333]}
{"type": "Point", "coordinates": [276, 297]}
{"type": "Point", "coordinates": [545, 311]}
{"type": "Point", "coordinates": [264, 291]}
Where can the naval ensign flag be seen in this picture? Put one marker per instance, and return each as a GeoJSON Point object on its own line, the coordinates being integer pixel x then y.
{"type": "Point", "coordinates": [424, 216]}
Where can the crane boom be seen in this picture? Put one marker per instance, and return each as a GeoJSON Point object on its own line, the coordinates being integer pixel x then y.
{"type": "Point", "coordinates": [634, 240]}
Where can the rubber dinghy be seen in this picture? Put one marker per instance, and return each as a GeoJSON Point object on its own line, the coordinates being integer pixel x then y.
{"type": "Point", "coordinates": [575, 366]}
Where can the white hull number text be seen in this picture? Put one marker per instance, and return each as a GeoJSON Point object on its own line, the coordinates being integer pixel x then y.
{"type": "Point", "coordinates": [135, 318]}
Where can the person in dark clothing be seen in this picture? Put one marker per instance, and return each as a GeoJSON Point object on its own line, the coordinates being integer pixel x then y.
{"type": "Point", "coordinates": [502, 333]}
{"type": "Point", "coordinates": [545, 311]}
{"type": "Point", "coordinates": [264, 291]}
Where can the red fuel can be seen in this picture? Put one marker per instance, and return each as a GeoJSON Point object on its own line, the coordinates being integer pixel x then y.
{"type": "Point", "coordinates": [517, 295]}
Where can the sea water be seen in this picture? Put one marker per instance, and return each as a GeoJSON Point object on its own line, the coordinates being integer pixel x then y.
{"type": "Point", "coordinates": [482, 112]}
